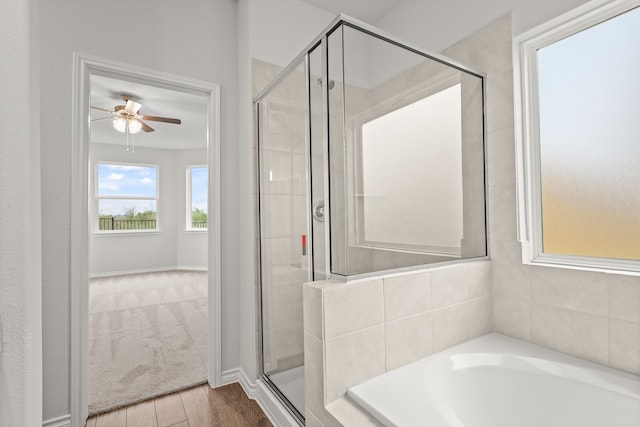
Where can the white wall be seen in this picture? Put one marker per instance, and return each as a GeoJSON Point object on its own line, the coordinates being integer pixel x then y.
{"type": "Point", "coordinates": [20, 279]}
{"type": "Point", "coordinates": [281, 29]}
{"type": "Point", "coordinates": [198, 41]}
{"type": "Point", "coordinates": [169, 248]}
{"type": "Point", "coordinates": [437, 24]}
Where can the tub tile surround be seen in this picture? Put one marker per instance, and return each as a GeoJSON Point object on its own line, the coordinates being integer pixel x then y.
{"type": "Point", "coordinates": [387, 322]}
{"type": "Point", "coordinates": [624, 297]}
{"type": "Point", "coordinates": [624, 345]}
{"type": "Point", "coordinates": [396, 290]}
{"type": "Point", "coordinates": [590, 315]}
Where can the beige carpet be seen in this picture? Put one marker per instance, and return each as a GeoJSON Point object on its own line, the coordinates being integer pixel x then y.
{"type": "Point", "coordinates": [147, 336]}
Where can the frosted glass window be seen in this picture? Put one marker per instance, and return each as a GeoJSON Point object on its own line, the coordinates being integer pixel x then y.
{"type": "Point", "coordinates": [412, 169]}
{"type": "Point", "coordinates": [589, 111]}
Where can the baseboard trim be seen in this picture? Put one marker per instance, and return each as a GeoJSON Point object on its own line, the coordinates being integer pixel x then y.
{"type": "Point", "coordinates": [268, 402]}
{"type": "Point", "coordinates": [237, 375]}
{"type": "Point", "coordinates": [147, 270]}
{"type": "Point", "coordinates": [63, 421]}
{"type": "Point", "coordinates": [191, 268]}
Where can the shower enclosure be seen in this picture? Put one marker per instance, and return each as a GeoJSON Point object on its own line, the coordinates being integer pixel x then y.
{"type": "Point", "coordinates": [370, 157]}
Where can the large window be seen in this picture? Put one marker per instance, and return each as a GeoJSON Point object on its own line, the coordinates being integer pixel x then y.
{"type": "Point", "coordinates": [197, 200]}
{"type": "Point", "coordinates": [582, 113]}
{"type": "Point", "coordinates": [127, 197]}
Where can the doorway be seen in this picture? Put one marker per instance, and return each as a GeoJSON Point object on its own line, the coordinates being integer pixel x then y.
{"type": "Point", "coordinates": [148, 225]}
{"type": "Point", "coordinates": [85, 69]}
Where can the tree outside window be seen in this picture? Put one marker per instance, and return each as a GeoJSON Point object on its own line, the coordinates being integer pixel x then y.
{"type": "Point", "coordinates": [198, 200]}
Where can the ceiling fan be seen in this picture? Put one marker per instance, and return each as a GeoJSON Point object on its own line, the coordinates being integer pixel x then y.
{"type": "Point", "coordinates": [127, 117]}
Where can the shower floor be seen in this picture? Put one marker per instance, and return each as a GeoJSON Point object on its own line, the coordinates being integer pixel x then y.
{"type": "Point", "coordinates": [291, 384]}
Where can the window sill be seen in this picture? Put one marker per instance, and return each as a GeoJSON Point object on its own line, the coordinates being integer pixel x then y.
{"type": "Point", "coordinates": [196, 230]}
{"type": "Point", "coordinates": [592, 264]}
{"type": "Point", "coordinates": [125, 233]}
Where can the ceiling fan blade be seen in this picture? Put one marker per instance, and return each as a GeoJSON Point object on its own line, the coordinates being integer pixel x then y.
{"type": "Point", "coordinates": [132, 107]}
{"type": "Point", "coordinates": [162, 119]}
{"type": "Point", "coordinates": [103, 109]}
{"type": "Point", "coordinates": [146, 127]}
{"type": "Point", "coordinates": [102, 118]}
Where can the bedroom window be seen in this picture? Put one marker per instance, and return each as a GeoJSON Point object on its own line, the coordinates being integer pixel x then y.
{"type": "Point", "coordinates": [127, 197]}
{"type": "Point", "coordinates": [580, 181]}
{"type": "Point", "coordinates": [197, 198]}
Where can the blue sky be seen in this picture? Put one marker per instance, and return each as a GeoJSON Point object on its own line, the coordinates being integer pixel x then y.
{"type": "Point", "coordinates": [199, 179]}
{"type": "Point", "coordinates": [127, 181]}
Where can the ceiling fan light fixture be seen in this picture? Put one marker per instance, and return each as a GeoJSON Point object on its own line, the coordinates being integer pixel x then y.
{"type": "Point", "coordinates": [134, 126]}
{"type": "Point", "coordinates": [120, 124]}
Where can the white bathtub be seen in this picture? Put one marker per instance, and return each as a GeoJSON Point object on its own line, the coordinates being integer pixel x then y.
{"type": "Point", "coordinates": [496, 381]}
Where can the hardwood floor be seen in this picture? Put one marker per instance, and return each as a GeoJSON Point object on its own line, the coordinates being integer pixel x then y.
{"type": "Point", "coordinates": [200, 406]}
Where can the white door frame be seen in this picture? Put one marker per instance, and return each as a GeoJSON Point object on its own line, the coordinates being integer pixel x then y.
{"type": "Point", "coordinates": [84, 66]}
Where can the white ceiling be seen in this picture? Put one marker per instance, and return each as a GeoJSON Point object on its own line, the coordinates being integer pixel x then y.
{"type": "Point", "coordinates": [369, 11]}
{"type": "Point", "coordinates": [191, 109]}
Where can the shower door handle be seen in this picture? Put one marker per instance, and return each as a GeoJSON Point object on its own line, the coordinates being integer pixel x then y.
{"type": "Point", "coordinates": [318, 210]}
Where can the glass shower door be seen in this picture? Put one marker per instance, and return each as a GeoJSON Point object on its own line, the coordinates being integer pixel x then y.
{"type": "Point", "coordinates": [284, 233]}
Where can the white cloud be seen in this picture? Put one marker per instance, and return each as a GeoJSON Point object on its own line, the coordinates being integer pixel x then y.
{"type": "Point", "coordinates": [124, 167]}
{"type": "Point", "coordinates": [112, 186]}
{"type": "Point", "coordinates": [115, 176]}
{"type": "Point", "coordinates": [146, 181]}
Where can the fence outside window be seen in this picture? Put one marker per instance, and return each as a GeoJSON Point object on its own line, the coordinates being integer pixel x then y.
{"type": "Point", "coordinates": [111, 223]}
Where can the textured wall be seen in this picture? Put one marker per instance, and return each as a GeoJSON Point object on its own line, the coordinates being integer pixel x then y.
{"type": "Point", "coordinates": [20, 281]}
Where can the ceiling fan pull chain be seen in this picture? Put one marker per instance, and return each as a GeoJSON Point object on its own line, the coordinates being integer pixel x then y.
{"type": "Point", "coordinates": [126, 133]}
{"type": "Point", "coordinates": [133, 144]}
